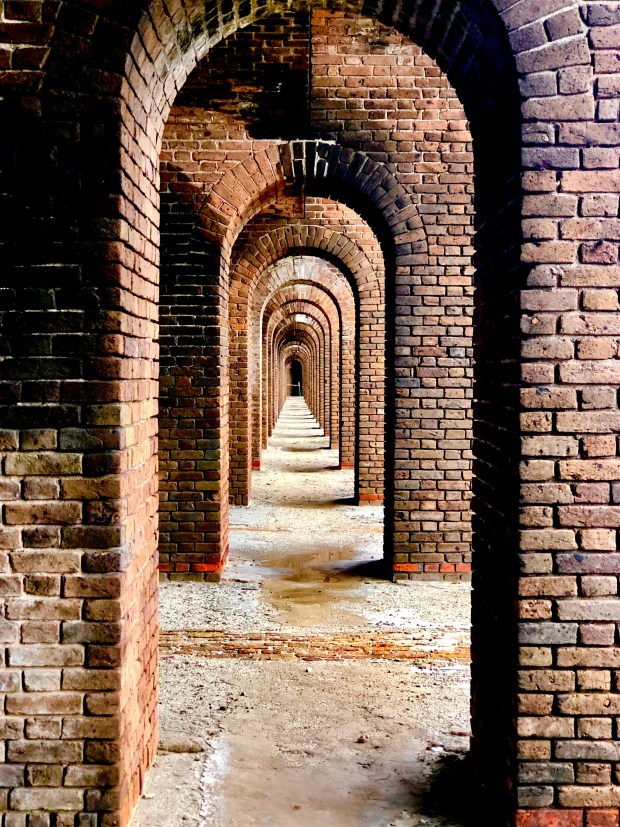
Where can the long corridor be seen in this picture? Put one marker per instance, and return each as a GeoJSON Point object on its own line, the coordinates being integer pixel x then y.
{"type": "Point", "coordinates": [305, 688]}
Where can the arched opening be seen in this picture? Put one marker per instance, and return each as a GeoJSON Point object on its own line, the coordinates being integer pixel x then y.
{"type": "Point", "coordinates": [430, 486]}
{"type": "Point", "coordinates": [296, 378]}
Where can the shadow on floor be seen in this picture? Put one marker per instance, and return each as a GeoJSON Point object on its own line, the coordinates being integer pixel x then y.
{"type": "Point", "coordinates": [368, 570]}
{"type": "Point", "coordinates": [453, 793]}
{"type": "Point", "coordinates": [308, 450]}
{"type": "Point", "coordinates": [321, 470]}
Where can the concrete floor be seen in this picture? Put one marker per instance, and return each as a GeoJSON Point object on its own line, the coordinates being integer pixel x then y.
{"type": "Point", "coordinates": [304, 689]}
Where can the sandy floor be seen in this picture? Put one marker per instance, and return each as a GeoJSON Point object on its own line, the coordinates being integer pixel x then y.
{"type": "Point", "coordinates": [272, 739]}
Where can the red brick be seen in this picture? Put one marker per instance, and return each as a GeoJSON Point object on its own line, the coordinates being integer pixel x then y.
{"type": "Point", "coordinates": [549, 818]}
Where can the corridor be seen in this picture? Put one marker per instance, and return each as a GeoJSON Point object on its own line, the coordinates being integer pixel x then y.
{"type": "Point", "coordinates": [306, 689]}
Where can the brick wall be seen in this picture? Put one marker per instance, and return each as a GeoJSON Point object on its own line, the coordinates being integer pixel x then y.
{"type": "Point", "coordinates": [85, 91]}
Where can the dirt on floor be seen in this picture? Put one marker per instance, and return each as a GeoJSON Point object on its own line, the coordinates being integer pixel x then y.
{"type": "Point", "coordinates": [304, 689]}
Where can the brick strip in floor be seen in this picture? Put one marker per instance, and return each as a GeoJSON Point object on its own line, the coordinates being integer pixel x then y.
{"type": "Point", "coordinates": [394, 646]}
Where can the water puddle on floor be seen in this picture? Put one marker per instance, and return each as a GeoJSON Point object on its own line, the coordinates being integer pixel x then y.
{"type": "Point", "coordinates": [320, 579]}
{"type": "Point", "coordinates": [306, 587]}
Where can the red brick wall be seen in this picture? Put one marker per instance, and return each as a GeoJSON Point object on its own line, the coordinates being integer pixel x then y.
{"type": "Point", "coordinates": [374, 90]}
{"type": "Point", "coordinates": [85, 90]}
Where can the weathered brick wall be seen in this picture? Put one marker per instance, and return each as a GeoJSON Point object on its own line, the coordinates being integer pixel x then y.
{"type": "Point", "coordinates": [82, 117]}
{"type": "Point", "coordinates": [374, 90]}
{"type": "Point", "coordinates": [569, 538]}
{"type": "Point", "coordinates": [193, 410]}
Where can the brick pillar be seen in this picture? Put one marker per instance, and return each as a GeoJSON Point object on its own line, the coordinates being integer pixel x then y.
{"type": "Point", "coordinates": [193, 416]}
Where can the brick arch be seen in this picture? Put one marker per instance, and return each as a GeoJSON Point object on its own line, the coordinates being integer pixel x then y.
{"type": "Point", "coordinates": [296, 350]}
{"type": "Point", "coordinates": [291, 354]}
{"type": "Point", "coordinates": [289, 306]}
{"type": "Point", "coordinates": [342, 321]}
{"type": "Point", "coordinates": [343, 424]}
{"type": "Point", "coordinates": [288, 328]}
{"type": "Point", "coordinates": [368, 464]}
{"type": "Point", "coordinates": [112, 111]}
{"type": "Point", "coordinates": [170, 38]}
{"type": "Point", "coordinates": [455, 38]}
{"type": "Point", "coordinates": [261, 246]}
{"type": "Point", "coordinates": [324, 304]}
{"type": "Point", "coordinates": [308, 334]}
{"type": "Point", "coordinates": [320, 169]}
{"type": "Point", "coordinates": [247, 288]}
{"type": "Point", "coordinates": [257, 294]}
{"type": "Point", "coordinates": [293, 351]}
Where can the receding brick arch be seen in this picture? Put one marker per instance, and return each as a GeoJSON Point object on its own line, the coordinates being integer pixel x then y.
{"type": "Point", "coordinates": [340, 295]}
{"type": "Point", "coordinates": [309, 330]}
{"type": "Point", "coordinates": [307, 333]}
{"type": "Point", "coordinates": [274, 277]}
{"type": "Point", "coordinates": [97, 231]}
{"type": "Point", "coordinates": [326, 170]}
{"type": "Point", "coordinates": [318, 298]}
{"type": "Point", "coordinates": [353, 308]}
{"type": "Point", "coordinates": [438, 370]}
{"type": "Point", "coordinates": [194, 539]}
{"type": "Point", "coordinates": [294, 350]}
{"type": "Point", "coordinates": [342, 353]}
{"type": "Point", "coordinates": [248, 287]}
{"type": "Point", "coordinates": [331, 236]}
{"type": "Point", "coordinates": [320, 322]}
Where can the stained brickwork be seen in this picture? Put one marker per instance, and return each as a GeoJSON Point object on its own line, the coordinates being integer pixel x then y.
{"type": "Point", "coordinates": [85, 92]}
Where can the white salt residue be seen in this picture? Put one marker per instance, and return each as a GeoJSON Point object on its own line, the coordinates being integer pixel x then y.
{"type": "Point", "coordinates": [212, 783]}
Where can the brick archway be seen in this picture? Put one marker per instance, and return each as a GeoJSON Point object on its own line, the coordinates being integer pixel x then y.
{"type": "Point", "coordinates": [196, 544]}
{"type": "Point", "coordinates": [249, 289]}
{"type": "Point", "coordinates": [309, 332]}
{"type": "Point", "coordinates": [286, 327]}
{"type": "Point", "coordinates": [322, 168]}
{"type": "Point", "coordinates": [91, 198]}
{"type": "Point", "coordinates": [294, 351]}
{"type": "Point", "coordinates": [292, 299]}
{"type": "Point", "coordinates": [332, 295]}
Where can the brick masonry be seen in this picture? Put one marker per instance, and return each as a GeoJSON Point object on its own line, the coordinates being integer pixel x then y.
{"type": "Point", "coordinates": [86, 90]}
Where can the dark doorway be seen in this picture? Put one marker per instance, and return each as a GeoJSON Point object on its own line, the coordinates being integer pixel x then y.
{"type": "Point", "coordinates": [296, 378]}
